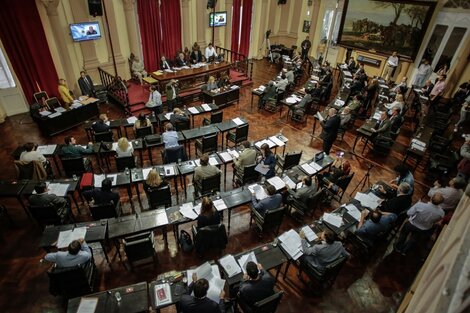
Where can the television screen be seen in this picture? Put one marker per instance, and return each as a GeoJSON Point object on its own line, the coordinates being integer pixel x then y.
{"type": "Point", "coordinates": [220, 19]}
{"type": "Point", "coordinates": [385, 26]}
{"type": "Point", "coordinates": [85, 31]}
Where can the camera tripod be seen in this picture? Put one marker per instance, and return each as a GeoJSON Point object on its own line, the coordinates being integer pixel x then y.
{"type": "Point", "coordinates": [364, 180]}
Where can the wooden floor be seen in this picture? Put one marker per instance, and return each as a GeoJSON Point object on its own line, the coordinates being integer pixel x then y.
{"type": "Point", "coordinates": [369, 287]}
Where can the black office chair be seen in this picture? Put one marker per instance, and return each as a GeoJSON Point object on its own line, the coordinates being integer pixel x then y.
{"type": "Point", "coordinates": [216, 117]}
{"type": "Point", "coordinates": [73, 166]}
{"type": "Point", "coordinates": [313, 203]}
{"type": "Point", "coordinates": [46, 215]}
{"type": "Point", "coordinates": [125, 162]}
{"type": "Point", "coordinates": [272, 104]}
{"type": "Point", "coordinates": [213, 237]}
{"type": "Point", "coordinates": [208, 144]}
{"type": "Point", "coordinates": [140, 247]}
{"type": "Point", "coordinates": [238, 136]}
{"type": "Point", "coordinates": [382, 145]}
{"type": "Point", "coordinates": [72, 282]}
{"type": "Point", "coordinates": [207, 186]}
{"type": "Point", "coordinates": [104, 211]}
{"type": "Point", "coordinates": [340, 188]}
{"type": "Point", "coordinates": [173, 154]}
{"type": "Point", "coordinates": [248, 175]}
{"type": "Point", "coordinates": [141, 132]}
{"type": "Point", "coordinates": [299, 115]}
{"type": "Point", "coordinates": [271, 219]}
{"type": "Point", "coordinates": [288, 161]}
{"type": "Point", "coordinates": [159, 197]}
{"type": "Point", "coordinates": [325, 278]}
{"type": "Point", "coordinates": [267, 305]}
{"type": "Point", "coordinates": [182, 125]}
{"type": "Point", "coordinates": [440, 164]}
{"type": "Point", "coordinates": [53, 103]}
{"type": "Point", "coordinates": [106, 136]}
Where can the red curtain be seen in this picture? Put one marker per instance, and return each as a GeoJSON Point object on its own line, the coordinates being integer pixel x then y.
{"type": "Point", "coordinates": [246, 27]}
{"type": "Point", "coordinates": [236, 24]}
{"type": "Point", "coordinates": [171, 27]}
{"type": "Point", "coordinates": [149, 21]}
{"type": "Point", "coordinates": [25, 43]}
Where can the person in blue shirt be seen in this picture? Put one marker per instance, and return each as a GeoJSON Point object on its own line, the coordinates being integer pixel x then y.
{"type": "Point", "coordinates": [403, 175]}
{"type": "Point", "coordinates": [377, 223]}
{"type": "Point", "coordinates": [170, 136]}
{"type": "Point", "coordinates": [78, 253]}
{"type": "Point", "coordinates": [268, 160]}
{"type": "Point", "coordinates": [271, 202]}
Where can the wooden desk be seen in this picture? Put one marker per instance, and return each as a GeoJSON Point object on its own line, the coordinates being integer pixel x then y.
{"type": "Point", "coordinates": [222, 98]}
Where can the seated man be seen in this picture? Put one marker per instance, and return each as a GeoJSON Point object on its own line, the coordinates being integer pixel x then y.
{"type": "Point", "coordinates": [170, 136]}
{"type": "Point", "coordinates": [281, 85]}
{"type": "Point", "coordinates": [399, 203]}
{"type": "Point", "coordinates": [180, 61]}
{"type": "Point", "coordinates": [42, 199]}
{"type": "Point", "coordinates": [210, 54]}
{"type": "Point", "coordinates": [376, 225]}
{"type": "Point", "coordinates": [271, 202]}
{"type": "Point", "coordinates": [246, 157]}
{"type": "Point", "coordinates": [72, 150]}
{"type": "Point", "coordinates": [303, 193]}
{"type": "Point", "coordinates": [451, 194]}
{"type": "Point", "coordinates": [382, 128]}
{"type": "Point", "coordinates": [322, 254]}
{"type": "Point", "coordinates": [200, 302]}
{"type": "Point", "coordinates": [178, 116]}
{"type": "Point", "coordinates": [78, 253]}
{"type": "Point", "coordinates": [269, 92]}
{"type": "Point", "coordinates": [290, 75]}
{"type": "Point", "coordinates": [345, 117]}
{"type": "Point", "coordinates": [205, 170]}
{"type": "Point", "coordinates": [256, 286]}
{"type": "Point", "coordinates": [301, 105]}
{"type": "Point", "coordinates": [101, 125]}
{"type": "Point", "coordinates": [103, 195]}
{"type": "Point", "coordinates": [138, 69]}
{"type": "Point", "coordinates": [164, 65]}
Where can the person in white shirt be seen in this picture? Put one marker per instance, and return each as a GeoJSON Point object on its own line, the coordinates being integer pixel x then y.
{"type": "Point", "coordinates": [124, 148]}
{"type": "Point", "coordinates": [210, 52]}
{"type": "Point", "coordinates": [424, 70]}
{"type": "Point", "coordinates": [282, 83]}
{"type": "Point", "coordinates": [392, 63]}
{"type": "Point", "coordinates": [30, 153]}
{"type": "Point", "coordinates": [399, 103]}
{"type": "Point", "coordinates": [451, 194]}
{"type": "Point", "coordinates": [155, 100]}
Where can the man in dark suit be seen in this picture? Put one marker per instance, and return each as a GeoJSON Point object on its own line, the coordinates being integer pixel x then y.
{"type": "Point", "coordinates": [401, 202]}
{"type": "Point", "coordinates": [271, 202]}
{"type": "Point", "coordinates": [164, 64]}
{"type": "Point", "coordinates": [257, 285]}
{"type": "Point", "coordinates": [269, 92]}
{"type": "Point", "coordinates": [101, 126]}
{"type": "Point", "coordinates": [199, 302]}
{"type": "Point", "coordinates": [41, 199]}
{"type": "Point", "coordinates": [196, 56]}
{"type": "Point", "coordinates": [330, 129]}
{"type": "Point", "coordinates": [104, 195]}
{"type": "Point", "coordinates": [383, 126]}
{"type": "Point", "coordinates": [180, 60]}
{"type": "Point", "coordinates": [303, 193]}
{"type": "Point", "coordinates": [305, 45]}
{"type": "Point", "coordinates": [86, 84]}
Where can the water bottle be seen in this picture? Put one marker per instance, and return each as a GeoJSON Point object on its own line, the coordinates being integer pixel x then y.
{"type": "Point", "coordinates": [117, 295]}
{"type": "Point", "coordinates": [126, 170]}
{"type": "Point", "coordinates": [74, 177]}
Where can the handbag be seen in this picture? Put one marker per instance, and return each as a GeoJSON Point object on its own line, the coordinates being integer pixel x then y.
{"type": "Point", "coordinates": [185, 241]}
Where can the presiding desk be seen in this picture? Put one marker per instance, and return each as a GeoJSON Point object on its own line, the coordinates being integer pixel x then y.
{"type": "Point", "coordinates": [222, 97]}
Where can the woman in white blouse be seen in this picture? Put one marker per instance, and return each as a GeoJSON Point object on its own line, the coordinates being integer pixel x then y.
{"type": "Point", "coordinates": [124, 148]}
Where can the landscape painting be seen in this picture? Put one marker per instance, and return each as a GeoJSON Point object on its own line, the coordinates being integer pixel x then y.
{"type": "Point", "coordinates": [385, 26]}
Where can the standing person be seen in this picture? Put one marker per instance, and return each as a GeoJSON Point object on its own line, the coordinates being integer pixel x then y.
{"type": "Point", "coordinates": [171, 94]}
{"type": "Point", "coordinates": [330, 130]}
{"type": "Point", "coordinates": [306, 45]}
{"type": "Point", "coordinates": [155, 100]}
{"type": "Point", "coordinates": [210, 53]}
{"type": "Point", "coordinates": [209, 215]}
{"type": "Point", "coordinates": [268, 160]}
{"type": "Point", "coordinates": [390, 66]}
{"type": "Point", "coordinates": [438, 90]}
{"type": "Point", "coordinates": [421, 218]}
{"type": "Point", "coordinates": [464, 114]}
{"type": "Point", "coordinates": [65, 94]}
{"type": "Point", "coordinates": [424, 70]}
{"type": "Point", "coordinates": [138, 69]}
{"type": "Point", "coordinates": [86, 84]}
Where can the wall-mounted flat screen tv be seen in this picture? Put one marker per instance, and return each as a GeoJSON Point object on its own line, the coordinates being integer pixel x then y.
{"type": "Point", "coordinates": [218, 19]}
{"type": "Point", "coordinates": [85, 31]}
{"type": "Point", "coordinates": [385, 26]}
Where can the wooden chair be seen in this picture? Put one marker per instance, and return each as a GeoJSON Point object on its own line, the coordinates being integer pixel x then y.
{"type": "Point", "coordinates": [237, 137]}
{"type": "Point", "coordinates": [248, 175]}
{"type": "Point", "coordinates": [208, 144]}
{"type": "Point", "coordinates": [207, 186]}
{"type": "Point", "coordinates": [272, 219]}
{"type": "Point", "coordinates": [72, 282]}
{"type": "Point", "coordinates": [216, 117]}
{"type": "Point", "coordinates": [288, 161]}
{"type": "Point", "coordinates": [324, 278]}
{"type": "Point", "coordinates": [140, 247]}
{"type": "Point", "coordinates": [213, 237]}
{"type": "Point", "coordinates": [104, 211]}
{"type": "Point", "coordinates": [267, 305]}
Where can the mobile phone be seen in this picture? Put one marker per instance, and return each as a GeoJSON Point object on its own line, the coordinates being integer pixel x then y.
{"type": "Point", "coordinates": [340, 154]}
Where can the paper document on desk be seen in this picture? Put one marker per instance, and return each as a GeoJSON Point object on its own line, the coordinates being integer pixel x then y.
{"type": "Point", "coordinates": [197, 208]}
{"type": "Point", "coordinates": [333, 219]}
{"type": "Point", "coordinates": [309, 233]}
{"type": "Point", "coordinates": [132, 120]}
{"type": "Point", "coordinates": [98, 179]}
{"type": "Point", "coordinates": [163, 294]}
{"type": "Point", "coordinates": [344, 66]}
{"type": "Point", "coordinates": [347, 73]}
{"type": "Point", "coordinates": [292, 244]}
{"type": "Point", "coordinates": [320, 117]}
{"type": "Point", "coordinates": [291, 100]}
{"type": "Point", "coordinates": [354, 212]}
{"type": "Point", "coordinates": [87, 305]}
{"type": "Point", "coordinates": [168, 115]}
{"type": "Point", "coordinates": [384, 86]}
{"type": "Point", "coordinates": [113, 178]}
{"type": "Point", "coordinates": [168, 71]}
{"type": "Point", "coordinates": [54, 115]}
{"type": "Point", "coordinates": [206, 107]}
{"type": "Point", "coordinates": [60, 109]}
{"type": "Point", "coordinates": [213, 161]}
{"type": "Point", "coordinates": [289, 182]}
{"type": "Point", "coordinates": [169, 170]}
{"type": "Point", "coordinates": [225, 156]}
{"type": "Point", "coordinates": [161, 217]}
{"type": "Point", "coordinates": [220, 204]}
{"type": "Point", "coordinates": [193, 110]}
{"type": "Point", "coordinates": [234, 87]}
{"type": "Point", "coordinates": [376, 115]}
{"type": "Point", "coordinates": [244, 259]}
{"type": "Point", "coordinates": [212, 274]}
{"type": "Point", "coordinates": [261, 169]}
{"type": "Point", "coordinates": [57, 189]}
{"type": "Point", "coordinates": [259, 191]}
{"type": "Point", "coordinates": [369, 200]}
{"type": "Point", "coordinates": [186, 209]}
{"type": "Point", "coordinates": [47, 149]}
{"type": "Point", "coordinates": [277, 182]}
{"type": "Point", "coordinates": [262, 88]}
{"type": "Point", "coordinates": [234, 153]}
{"type": "Point", "coordinates": [238, 121]}
{"type": "Point", "coordinates": [230, 265]}
{"type": "Point", "coordinates": [277, 141]}
{"type": "Point", "coordinates": [45, 113]}
{"type": "Point", "coordinates": [146, 171]}
{"type": "Point", "coordinates": [308, 169]}
{"type": "Point", "coordinates": [315, 166]}
{"type": "Point", "coordinates": [67, 236]}
{"type": "Point", "coordinates": [266, 141]}
{"type": "Point", "coordinates": [339, 102]}
{"type": "Point", "coordinates": [114, 146]}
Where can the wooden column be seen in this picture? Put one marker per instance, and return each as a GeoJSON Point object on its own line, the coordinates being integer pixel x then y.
{"type": "Point", "coordinates": [131, 24]}
{"type": "Point", "coordinates": [228, 28]}
{"type": "Point", "coordinates": [185, 24]}
{"type": "Point", "coordinates": [202, 22]}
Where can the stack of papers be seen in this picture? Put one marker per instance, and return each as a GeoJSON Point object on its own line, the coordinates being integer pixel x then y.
{"type": "Point", "coordinates": [244, 259]}
{"type": "Point", "coordinates": [259, 191]}
{"type": "Point", "coordinates": [315, 166]}
{"type": "Point", "coordinates": [193, 110]}
{"type": "Point", "coordinates": [234, 87]}
{"type": "Point", "coordinates": [168, 115]}
{"type": "Point", "coordinates": [54, 115]}
{"type": "Point", "coordinates": [220, 204]}
{"type": "Point", "coordinates": [347, 73]}
{"type": "Point", "coordinates": [308, 169]}
{"type": "Point", "coordinates": [261, 169]}
{"type": "Point", "coordinates": [161, 217]}
{"type": "Point", "coordinates": [225, 156]}
{"type": "Point", "coordinates": [277, 141]}
{"type": "Point", "coordinates": [212, 274]}
{"type": "Point", "coordinates": [292, 244]}
{"type": "Point", "coordinates": [368, 200]}
{"type": "Point", "coordinates": [67, 236]}
{"type": "Point", "coordinates": [291, 100]}
{"type": "Point", "coordinates": [230, 265]}
{"type": "Point", "coordinates": [87, 305]}
{"type": "Point", "coordinates": [47, 149]}
{"type": "Point", "coordinates": [238, 121]}
{"type": "Point", "coordinates": [213, 161]}
{"type": "Point", "coordinates": [45, 113]}
{"type": "Point", "coordinates": [234, 153]}
{"type": "Point", "coordinates": [333, 219]}
{"type": "Point", "coordinates": [309, 234]}
{"type": "Point", "coordinates": [206, 107]}
{"type": "Point", "coordinates": [132, 120]}
{"type": "Point", "coordinates": [59, 190]}
{"type": "Point", "coordinates": [289, 182]}
{"type": "Point", "coordinates": [277, 182]}
{"type": "Point", "coordinates": [262, 88]}
{"type": "Point", "coordinates": [354, 212]}
{"type": "Point", "coordinates": [99, 179]}
{"type": "Point", "coordinates": [187, 211]}
{"type": "Point", "coordinates": [339, 102]}
{"type": "Point", "coordinates": [266, 141]}
{"type": "Point", "coordinates": [163, 294]}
